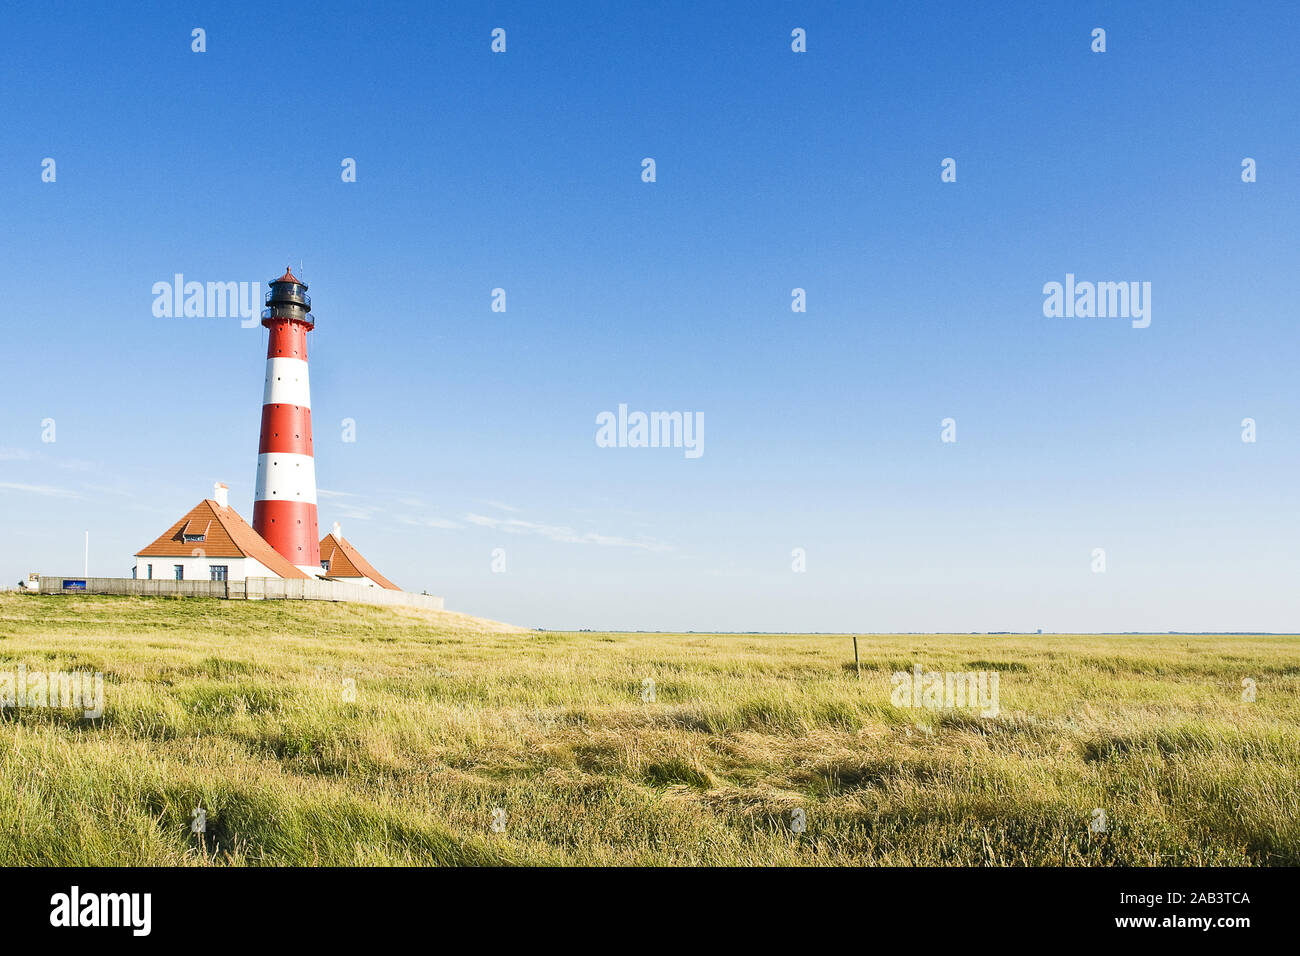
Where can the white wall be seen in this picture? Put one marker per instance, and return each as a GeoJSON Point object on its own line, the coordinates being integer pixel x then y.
{"type": "Point", "coordinates": [269, 589]}
{"type": "Point", "coordinates": [252, 589]}
{"type": "Point", "coordinates": [196, 568]}
{"type": "Point", "coordinates": [363, 580]}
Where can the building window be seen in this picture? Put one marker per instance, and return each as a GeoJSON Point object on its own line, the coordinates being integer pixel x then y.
{"type": "Point", "coordinates": [325, 565]}
{"type": "Point", "coordinates": [218, 571]}
{"type": "Point", "coordinates": [133, 570]}
{"type": "Point", "coordinates": [195, 537]}
{"type": "Point", "coordinates": [148, 573]}
{"type": "Point", "coordinates": [180, 571]}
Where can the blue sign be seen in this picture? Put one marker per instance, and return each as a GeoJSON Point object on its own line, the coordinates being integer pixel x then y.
{"type": "Point", "coordinates": [74, 585]}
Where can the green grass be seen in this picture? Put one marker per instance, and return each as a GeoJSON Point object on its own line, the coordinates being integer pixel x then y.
{"type": "Point", "coordinates": [239, 708]}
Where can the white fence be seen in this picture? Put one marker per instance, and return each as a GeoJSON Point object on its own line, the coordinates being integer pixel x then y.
{"type": "Point", "coordinates": [157, 587]}
{"type": "Point", "coordinates": [314, 589]}
{"type": "Point", "coordinates": [251, 589]}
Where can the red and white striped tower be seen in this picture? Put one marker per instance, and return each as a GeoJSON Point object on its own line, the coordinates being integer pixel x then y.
{"type": "Point", "coordinates": [285, 510]}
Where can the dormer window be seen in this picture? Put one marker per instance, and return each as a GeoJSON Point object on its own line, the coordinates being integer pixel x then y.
{"type": "Point", "coordinates": [195, 531]}
{"type": "Point", "coordinates": [325, 565]}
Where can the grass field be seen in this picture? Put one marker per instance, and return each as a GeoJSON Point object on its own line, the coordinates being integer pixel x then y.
{"type": "Point", "coordinates": [242, 709]}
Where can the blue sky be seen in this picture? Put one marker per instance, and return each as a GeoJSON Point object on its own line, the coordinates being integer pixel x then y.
{"type": "Point", "coordinates": [775, 170]}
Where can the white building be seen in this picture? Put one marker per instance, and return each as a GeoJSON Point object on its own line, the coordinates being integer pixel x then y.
{"type": "Point", "coordinates": [212, 543]}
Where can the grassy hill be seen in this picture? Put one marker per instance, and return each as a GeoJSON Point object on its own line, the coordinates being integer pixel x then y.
{"type": "Point", "coordinates": [243, 709]}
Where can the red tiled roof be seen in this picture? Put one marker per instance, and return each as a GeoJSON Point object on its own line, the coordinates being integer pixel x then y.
{"type": "Point", "coordinates": [345, 561]}
{"type": "Point", "coordinates": [227, 536]}
{"type": "Point", "coordinates": [288, 277]}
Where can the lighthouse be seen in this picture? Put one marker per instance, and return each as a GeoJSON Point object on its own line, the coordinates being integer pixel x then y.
{"type": "Point", "coordinates": [284, 512]}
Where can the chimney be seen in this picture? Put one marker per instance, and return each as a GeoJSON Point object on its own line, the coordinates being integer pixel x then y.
{"type": "Point", "coordinates": [221, 495]}
{"type": "Point", "coordinates": [337, 531]}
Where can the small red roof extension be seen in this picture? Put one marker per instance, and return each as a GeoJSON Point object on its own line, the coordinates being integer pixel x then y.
{"type": "Point", "coordinates": [345, 561]}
